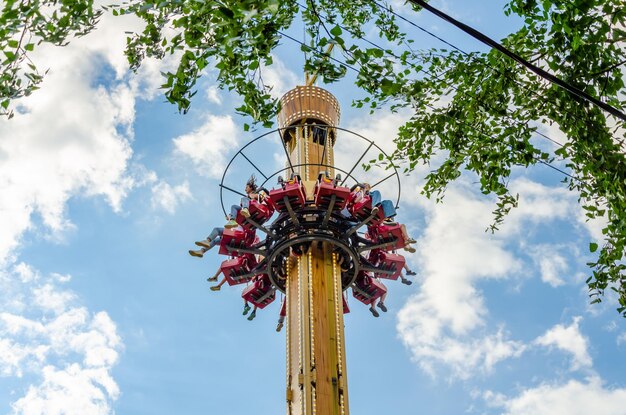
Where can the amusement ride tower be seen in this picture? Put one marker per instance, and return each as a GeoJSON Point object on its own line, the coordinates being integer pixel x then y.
{"type": "Point", "coordinates": [315, 249]}
{"type": "Point", "coordinates": [316, 366]}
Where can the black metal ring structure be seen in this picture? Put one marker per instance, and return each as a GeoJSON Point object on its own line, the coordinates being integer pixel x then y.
{"type": "Point", "coordinates": [280, 248]}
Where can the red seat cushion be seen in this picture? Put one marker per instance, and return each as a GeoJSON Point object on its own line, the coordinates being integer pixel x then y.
{"type": "Point", "coordinates": [260, 292]}
{"type": "Point", "coordinates": [324, 192]}
{"type": "Point", "coordinates": [236, 237]}
{"type": "Point", "coordinates": [234, 268]}
{"type": "Point", "coordinates": [387, 261]}
{"type": "Point", "coordinates": [362, 209]}
{"type": "Point", "coordinates": [387, 233]}
{"type": "Point", "coordinates": [367, 289]}
{"type": "Point", "coordinates": [295, 194]}
{"type": "Point", "coordinates": [259, 212]}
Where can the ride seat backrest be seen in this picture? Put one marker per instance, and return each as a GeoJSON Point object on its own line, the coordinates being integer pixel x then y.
{"type": "Point", "coordinates": [260, 292]}
{"type": "Point", "coordinates": [391, 262]}
{"type": "Point", "coordinates": [238, 238]}
{"type": "Point", "coordinates": [324, 192]}
{"type": "Point", "coordinates": [367, 289]}
{"type": "Point", "coordinates": [234, 268]}
{"type": "Point", "coordinates": [295, 194]}
{"type": "Point", "coordinates": [259, 212]}
{"type": "Point", "coordinates": [387, 233]}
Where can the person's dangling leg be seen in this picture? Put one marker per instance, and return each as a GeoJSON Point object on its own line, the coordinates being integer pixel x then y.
{"type": "Point", "coordinates": [218, 286]}
{"type": "Point", "coordinates": [388, 208]}
{"type": "Point", "coordinates": [245, 204]}
{"type": "Point", "coordinates": [234, 209]}
{"type": "Point", "coordinates": [408, 270]}
{"type": "Point", "coordinates": [381, 302]}
{"type": "Point", "coordinates": [214, 277]}
{"type": "Point", "coordinates": [253, 314]}
{"type": "Point", "coordinates": [198, 253]}
{"type": "Point", "coordinates": [212, 239]}
{"type": "Point", "coordinates": [376, 197]}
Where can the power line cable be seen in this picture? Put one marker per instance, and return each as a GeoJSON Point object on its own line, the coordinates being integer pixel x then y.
{"type": "Point", "coordinates": [497, 71]}
{"type": "Point", "coordinates": [505, 74]}
{"type": "Point", "coordinates": [537, 70]}
{"type": "Point", "coordinates": [419, 69]}
{"type": "Point", "coordinates": [319, 53]}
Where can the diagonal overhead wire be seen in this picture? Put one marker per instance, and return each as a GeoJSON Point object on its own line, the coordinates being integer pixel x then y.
{"type": "Point", "coordinates": [424, 71]}
{"type": "Point", "coordinates": [533, 68]}
{"type": "Point", "coordinates": [313, 50]}
{"type": "Point", "coordinates": [499, 72]}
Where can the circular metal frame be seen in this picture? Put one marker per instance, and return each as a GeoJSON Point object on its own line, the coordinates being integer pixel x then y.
{"type": "Point", "coordinates": [311, 237]}
{"type": "Point", "coordinates": [291, 166]}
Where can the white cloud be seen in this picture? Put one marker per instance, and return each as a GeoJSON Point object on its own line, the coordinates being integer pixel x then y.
{"type": "Point", "coordinates": [538, 204]}
{"type": "Point", "coordinates": [440, 324]}
{"type": "Point", "coordinates": [72, 390]}
{"type": "Point", "coordinates": [571, 398]}
{"type": "Point", "coordinates": [67, 350]}
{"type": "Point", "coordinates": [621, 338]}
{"type": "Point", "coordinates": [73, 136]}
{"type": "Point", "coordinates": [280, 78]}
{"type": "Point", "coordinates": [552, 264]}
{"type": "Point", "coordinates": [444, 324]}
{"type": "Point", "coordinates": [209, 145]}
{"type": "Point", "coordinates": [213, 94]}
{"type": "Point", "coordinates": [167, 198]}
{"type": "Point", "coordinates": [568, 339]}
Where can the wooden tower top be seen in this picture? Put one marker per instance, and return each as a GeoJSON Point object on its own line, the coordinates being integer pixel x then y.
{"type": "Point", "coordinates": [308, 103]}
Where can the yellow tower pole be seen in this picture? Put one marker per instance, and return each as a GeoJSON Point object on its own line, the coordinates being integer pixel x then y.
{"type": "Point", "coordinates": [316, 366]}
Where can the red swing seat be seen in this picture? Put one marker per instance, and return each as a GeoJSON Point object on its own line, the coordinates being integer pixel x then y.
{"type": "Point", "coordinates": [388, 262]}
{"type": "Point", "coordinates": [260, 293]}
{"type": "Point", "coordinates": [387, 233]}
{"type": "Point", "coordinates": [233, 269]}
{"type": "Point", "coordinates": [367, 289]}
{"type": "Point", "coordinates": [362, 209]}
{"type": "Point", "coordinates": [324, 192]}
{"type": "Point", "coordinates": [260, 212]}
{"type": "Point", "coordinates": [294, 192]}
{"type": "Point", "coordinates": [236, 238]}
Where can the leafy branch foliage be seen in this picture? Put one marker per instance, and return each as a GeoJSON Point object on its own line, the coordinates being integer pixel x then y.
{"type": "Point", "coordinates": [479, 109]}
{"type": "Point", "coordinates": [25, 24]}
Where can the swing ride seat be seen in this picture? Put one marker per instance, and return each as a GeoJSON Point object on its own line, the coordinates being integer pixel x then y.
{"type": "Point", "coordinates": [387, 233]}
{"type": "Point", "coordinates": [346, 309]}
{"type": "Point", "coordinates": [324, 192]}
{"type": "Point", "coordinates": [236, 238]}
{"type": "Point", "coordinates": [260, 292]}
{"type": "Point", "coordinates": [260, 212]}
{"type": "Point", "coordinates": [362, 209]}
{"type": "Point", "coordinates": [367, 289]}
{"type": "Point", "coordinates": [236, 268]}
{"type": "Point", "coordinates": [387, 261]}
{"type": "Point", "coordinates": [294, 192]}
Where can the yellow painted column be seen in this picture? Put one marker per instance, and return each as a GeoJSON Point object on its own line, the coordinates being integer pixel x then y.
{"type": "Point", "coordinates": [316, 367]}
{"type": "Point", "coordinates": [317, 379]}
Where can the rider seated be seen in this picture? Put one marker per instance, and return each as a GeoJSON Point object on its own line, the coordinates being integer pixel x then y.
{"type": "Point", "coordinates": [291, 193]}
{"type": "Point", "coordinates": [241, 236]}
{"type": "Point", "coordinates": [244, 204]}
{"type": "Point", "coordinates": [368, 290]}
{"type": "Point", "coordinates": [259, 210]}
{"type": "Point", "coordinates": [326, 188]}
{"type": "Point", "coordinates": [361, 207]}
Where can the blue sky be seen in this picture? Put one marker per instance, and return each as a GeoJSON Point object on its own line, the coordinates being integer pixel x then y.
{"type": "Point", "coordinates": [104, 187]}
